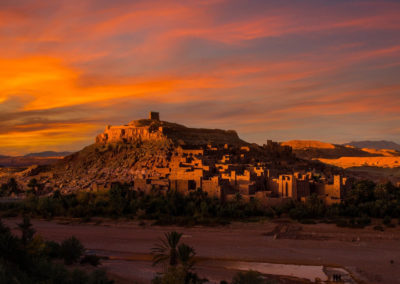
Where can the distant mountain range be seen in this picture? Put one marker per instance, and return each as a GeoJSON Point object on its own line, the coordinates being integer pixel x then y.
{"type": "Point", "coordinates": [383, 144]}
{"type": "Point", "coordinates": [376, 154]}
{"type": "Point", "coordinates": [48, 154]}
{"type": "Point", "coordinates": [310, 149]}
{"type": "Point", "coordinates": [41, 158]}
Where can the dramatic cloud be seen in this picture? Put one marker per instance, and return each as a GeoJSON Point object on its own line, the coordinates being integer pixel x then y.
{"type": "Point", "coordinates": [279, 70]}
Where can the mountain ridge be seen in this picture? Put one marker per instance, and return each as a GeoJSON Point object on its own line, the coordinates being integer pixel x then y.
{"type": "Point", "coordinates": [48, 154]}
{"type": "Point", "coordinates": [375, 144]}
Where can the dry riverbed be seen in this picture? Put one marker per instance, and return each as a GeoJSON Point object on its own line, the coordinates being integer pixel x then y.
{"type": "Point", "coordinates": [299, 252]}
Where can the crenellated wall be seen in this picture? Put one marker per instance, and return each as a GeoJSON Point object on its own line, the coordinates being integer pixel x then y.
{"type": "Point", "coordinates": [129, 133]}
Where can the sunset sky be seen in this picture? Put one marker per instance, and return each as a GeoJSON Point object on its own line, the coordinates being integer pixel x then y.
{"type": "Point", "coordinates": [281, 70]}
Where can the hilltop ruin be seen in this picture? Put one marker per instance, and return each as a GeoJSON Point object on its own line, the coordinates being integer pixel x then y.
{"type": "Point", "coordinates": [154, 156]}
{"type": "Point", "coordinates": [153, 129]}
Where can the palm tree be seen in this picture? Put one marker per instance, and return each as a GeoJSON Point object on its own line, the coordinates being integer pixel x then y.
{"type": "Point", "coordinates": [186, 256]}
{"type": "Point", "coordinates": [27, 230]}
{"type": "Point", "coordinates": [167, 249]}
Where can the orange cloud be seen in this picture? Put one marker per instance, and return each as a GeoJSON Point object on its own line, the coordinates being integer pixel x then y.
{"type": "Point", "coordinates": [55, 137]}
{"type": "Point", "coordinates": [50, 84]}
{"type": "Point", "coordinates": [264, 65]}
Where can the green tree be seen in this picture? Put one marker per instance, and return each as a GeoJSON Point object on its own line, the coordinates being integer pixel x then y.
{"type": "Point", "coordinates": [186, 256]}
{"type": "Point", "coordinates": [248, 277]}
{"type": "Point", "coordinates": [27, 232]}
{"type": "Point", "coordinates": [13, 185]}
{"type": "Point", "coordinates": [33, 185]}
{"type": "Point", "coordinates": [71, 250]}
{"type": "Point", "coordinates": [167, 249]}
{"type": "Point", "coordinates": [179, 259]}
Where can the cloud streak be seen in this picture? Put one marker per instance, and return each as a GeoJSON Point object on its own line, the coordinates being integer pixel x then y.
{"type": "Point", "coordinates": [269, 69]}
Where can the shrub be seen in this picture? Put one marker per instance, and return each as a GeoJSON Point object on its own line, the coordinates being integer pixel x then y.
{"type": "Point", "coordinates": [91, 259]}
{"type": "Point", "coordinates": [342, 223]}
{"type": "Point", "coordinates": [387, 220]}
{"type": "Point", "coordinates": [307, 221]}
{"type": "Point", "coordinates": [364, 221]}
{"type": "Point", "coordinates": [79, 277]}
{"type": "Point", "coordinates": [99, 276]}
{"type": "Point", "coordinates": [71, 250]}
{"type": "Point", "coordinates": [248, 277]}
{"type": "Point", "coordinates": [52, 249]}
{"type": "Point", "coordinates": [379, 228]}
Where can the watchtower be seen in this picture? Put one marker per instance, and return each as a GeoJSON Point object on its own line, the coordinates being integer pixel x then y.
{"type": "Point", "coordinates": [154, 115]}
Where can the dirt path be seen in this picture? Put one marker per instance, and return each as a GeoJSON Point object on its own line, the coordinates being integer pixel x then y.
{"type": "Point", "coordinates": [366, 253]}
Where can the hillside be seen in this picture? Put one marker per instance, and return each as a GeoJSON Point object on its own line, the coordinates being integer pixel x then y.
{"type": "Point", "coordinates": [22, 161]}
{"type": "Point", "coordinates": [346, 156]}
{"type": "Point", "coordinates": [42, 158]}
{"type": "Point", "coordinates": [309, 149]}
{"type": "Point", "coordinates": [48, 154]}
{"type": "Point", "coordinates": [383, 144]}
{"type": "Point", "coordinates": [351, 162]}
{"type": "Point", "coordinates": [152, 129]}
{"type": "Point", "coordinates": [125, 161]}
{"type": "Point", "coordinates": [149, 148]}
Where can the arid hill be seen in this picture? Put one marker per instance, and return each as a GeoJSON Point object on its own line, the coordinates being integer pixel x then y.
{"type": "Point", "coordinates": [383, 144]}
{"type": "Point", "coordinates": [140, 147]}
{"type": "Point", "coordinates": [351, 162]}
{"type": "Point", "coordinates": [25, 161]}
{"type": "Point", "coordinates": [315, 149]}
{"type": "Point", "coordinates": [347, 157]}
{"type": "Point", "coordinates": [156, 130]}
{"type": "Point", "coordinates": [48, 154]}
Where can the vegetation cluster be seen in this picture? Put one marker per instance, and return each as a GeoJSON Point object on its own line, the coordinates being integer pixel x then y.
{"type": "Point", "coordinates": [178, 261]}
{"type": "Point", "coordinates": [31, 259]}
{"type": "Point", "coordinates": [365, 200]}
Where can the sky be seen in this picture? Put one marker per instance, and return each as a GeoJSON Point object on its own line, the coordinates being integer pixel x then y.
{"type": "Point", "coordinates": [280, 70]}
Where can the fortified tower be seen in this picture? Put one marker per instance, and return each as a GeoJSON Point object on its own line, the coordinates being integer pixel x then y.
{"type": "Point", "coordinates": [154, 129]}
{"type": "Point", "coordinates": [154, 116]}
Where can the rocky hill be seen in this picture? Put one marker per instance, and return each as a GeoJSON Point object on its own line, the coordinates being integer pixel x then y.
{"type": "Point", "coordinates": [309, 149]}
{"type": "Point", "coordinates": [23, 161]}
{"type": "Point", "coordinates": [41, 158]}
{"type": "Point", "coordinates": [156, 130]}
{"type": "Point", "coordinates": [345, 156]}
{"type": "Point", "coordinates": [383, 144]}
{"type": "Point", "coordinates": [143, 147]}
{"type": "Point", "coordinates": [48, 154]}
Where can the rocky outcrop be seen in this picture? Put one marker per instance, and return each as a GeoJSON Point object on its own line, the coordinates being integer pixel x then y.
{"type": "Point", "coordinates": [155, 130]}
{"type": "Point", "coordinates": [315, 149]}
{"type": "Point", "coordinates": [380, 145]}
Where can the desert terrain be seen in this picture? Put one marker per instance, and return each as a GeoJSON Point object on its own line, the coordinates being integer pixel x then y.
{"type": "Point", "coordinates": [349, 162]}
{"type": "Point", "coordinates": [367, 255]}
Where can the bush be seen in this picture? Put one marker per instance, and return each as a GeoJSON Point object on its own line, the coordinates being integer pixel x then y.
{"type": "Point", "coordinates": [99, 276]}
{"type": "Point", "coordinates": [387, 221]}
{"type": "Point", "coordinates": [364, 221]}
{"type": "Point", "coordinates": [79, 277]}
{"type": "Point", "coordinates": [342, 223]}
{"type": "Point", "coordinates": [91, 259]}
{"type": "Point", "coordinates": [71, 250]}
{"type": "Point", "coordinates": [379, 228]}
{"type": "Point", "coordinates": [307, 221]}
{"type": "Point", "coordinates": [52, 249]}
{"type": "Point", "coordinates": [31, 264]}
{"type": "Point", "coordinates": [248, 277]}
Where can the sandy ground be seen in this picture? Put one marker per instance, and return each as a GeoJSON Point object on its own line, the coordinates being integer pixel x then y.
{"type": "Point", "coordinates": [366, 253]}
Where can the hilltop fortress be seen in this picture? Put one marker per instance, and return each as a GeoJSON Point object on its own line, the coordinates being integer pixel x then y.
{"type": "Point", "coordinates": [218, 162]}
{"type": "Point", "coordinates": [155, 129]}
{"type": "Point", "coordinates": [154, 156]}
